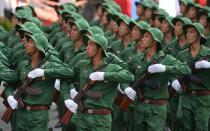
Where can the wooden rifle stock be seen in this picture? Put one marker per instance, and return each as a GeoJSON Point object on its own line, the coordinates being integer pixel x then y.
{"type": "Point", "coordinates": [67, 116]}
{"type": "Point", "coordinates": [8, 113]}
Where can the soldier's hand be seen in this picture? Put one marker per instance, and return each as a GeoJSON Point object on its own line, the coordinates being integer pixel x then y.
{"type": "Point", "coordinates": [156, 68]}
{"type": "Point", "coordinates": [71, 105]}
{"type": "Point", "coordinates": [97, 76]}
{"type": "Point", "coordinates": [73, 93]}
{"type": "Point", "coordinates": [36, 73]}
{"type": "Point", "coordinates": [203, 64]}
{"type": "Point", "coordinates": [12, 102]}
{"type": "Point", "coordinates": [176, 85]}
{"type": "Point", "coordinates": [130, 92]}
{"type": "Point", "coordinates": [57, 84]}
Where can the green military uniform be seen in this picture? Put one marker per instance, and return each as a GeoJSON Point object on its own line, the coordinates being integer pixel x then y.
{"type": "Point", "coordinates": [26, 119]}
{"type": "Point", "coordinates": [69, 52]}
{"type": "Point", "coordinates": [113, 75]}
{"type": "Point", "coordinates": [127, 55]}
{"type": "Point", "coordinates": [169, 20]}
{"type": "Point", "coordinates": [151, 116]}
{"type": "Point", "coordinates": [173, 49]}
{"type": "Point", "coordinates": [195, 107]}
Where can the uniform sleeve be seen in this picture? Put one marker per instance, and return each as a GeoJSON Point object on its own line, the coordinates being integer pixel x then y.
{"type": "Point", "coordinates": [7, 74]}
{"type": "Point", "coordinates": [58, 71]}
{"type": "Point", "coordinates": [119, 75]}
{"type": "Point", "coordinates": [176, 67]}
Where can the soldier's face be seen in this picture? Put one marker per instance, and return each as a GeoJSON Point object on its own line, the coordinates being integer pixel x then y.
{"type": "Point", "coordinates": [148, 13]}
{"type": "Point", "coordinates": [165, 27]}
{"type": "Point", "coordinates": [178, 28]}
{"type": "Point", "coordinates": [203, 20]}
{"type": "Point", "coordinates": [64, 25]}
{"type": "Point", "coordinates": [75, 34]}
{"type": "Point", "coordinates": [147, 40]}
{"type": "Point", "coordinates": [30, 47]}
{"type": "Point", "coordinates": [139, 10]}
{"type": "Point", "coordinates": [182, 8]}
{"type": "Point", "coordinates": [114, 26]}
{"type": "Point", "coordinates": [157, 23]}
{"type": "Point", "coordinates": [104, 18]}
{"type": "Point", "coordinates": [14, 21]}
{"type": "Point", "coordinates": [135, 33]}
{"type": "Point", "coordinates": [99, 11]}
{"type": "Point", "coordinates": [192, 12]}
{"type": "Point", "coordinates": [192, 35]}
{"type": "Point", "coordinates": [91, 49]}
{"type": "Point", "coordinates": [123, 29]}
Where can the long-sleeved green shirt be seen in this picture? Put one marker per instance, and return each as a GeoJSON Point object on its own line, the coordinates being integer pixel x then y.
{"type": "Point", "coordinates": [186, 57]}
{"type": "Point", "coordinates": [53, 69]}
{"type": "Point", "coordinates": [113, 75]}
{"type": "Point", "coordinates": [139, 66]}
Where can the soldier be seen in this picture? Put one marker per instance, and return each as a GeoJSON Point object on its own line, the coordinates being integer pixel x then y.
{"type": "Point", "coordinates": [78, 27]}
{"type": "Point", "coordinates": [183, 7]}
{"type": "Point", "coordinates": [196, 94]}
{"type": "Point", "coordinates": [125, 37]}
{"type": "Point", "coordinates": [180, 44]}
{"type": "Point", "coordinates": [203, 19]}
{"type": "Point", "coordinates": [156, 17]}
{"type": "Point", "coordinates": [150, 111]}
{"type": "Point", "coordinates": [192, 10]}
{"type": "Point", "coordinates": [97, 113]}
{"type": "Point", "coordinates": [34, 115]}
{"type": "Point", "coordinates": [167, 28]}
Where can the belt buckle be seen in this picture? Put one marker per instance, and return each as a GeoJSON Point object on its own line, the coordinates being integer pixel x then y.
{"type": "Point", "coordinates": [193, 92]}
{"type": "Point", "coordinates": [90, 111]}
{"type": "Point", "coordinates": [147, 101]}
{"type": "Point", "coordinates": [28, 108]}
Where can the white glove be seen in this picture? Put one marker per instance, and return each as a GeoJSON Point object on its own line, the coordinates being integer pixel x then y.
{"type": "Point", "coordinates": [176, 85]}
{"type": "Point", "coordinates": [71, 105]}
{"type": "Point", "coordinates": [97, 76]}
{"type": "Point", "coordinates": [36, 73]}
{"type": "Point", "coordinates": [130, 92]}
{"type": "Point", "coordinates": [119, 89]}
{"type": "Point", "coordinates": [73, 93]}
{"type": "Point", "coordinates": [202, 64]}
{"type": "Point", "coordinates": [57, 84]}
{"type": "Point", "coordinates": [157, 68]}
{"type": "Point", "coordinates": [12, 102]}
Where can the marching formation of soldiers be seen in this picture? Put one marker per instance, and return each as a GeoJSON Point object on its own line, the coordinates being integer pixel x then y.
{"type": "Point", "coordinates": [109, 74]}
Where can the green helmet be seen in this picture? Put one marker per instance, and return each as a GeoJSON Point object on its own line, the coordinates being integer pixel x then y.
{"type": "Point", "coordinates": [140, 24]}
{"type": "Point", "coordinates": [185, 1]}
{"type": "Point", "coordinates": [168, 19]}
{"type": "Point", "coordinates": [81, 24]}
{"type": "Point", "coordinates": [123, 18]}
{"type": "Point", "coordinates": [30, 27]}
{"type": "Point", "coordinates": [184, 20]}
{"type": "Point", "coordinates": [95, 30]}
{"type": "Point", "coordinates": [199, 28]}
{"type": "Point", "coordinates": [99, 39]}
{"type": "Point", "coordinates": [156, 34]}
{"type": "Point", "coordinates": [159, 12]}
{"type": "Point", "coordinates": [22, 14]}
{"type": "Point", "coordinates": [40, 41]}
{"type": "Point", "coordinates": [69, 6]}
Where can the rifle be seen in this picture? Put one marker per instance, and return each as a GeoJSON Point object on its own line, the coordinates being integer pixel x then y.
{"type": "Point", "coordinates": [137, 85]}
{"type": "Point", "coordinates": [192, 78]}
{"type": "Point", "coordinates": [67, 116]}
{"type": "Point", "coordinates": [21, 91]}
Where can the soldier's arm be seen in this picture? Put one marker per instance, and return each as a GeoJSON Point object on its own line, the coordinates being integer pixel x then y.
{"type": "Point", "coordinates": [176, 67]}
{"type": "Point", "coordinates": [118, 74]}
{"type": "Point", "coordinates": [58, 71]}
